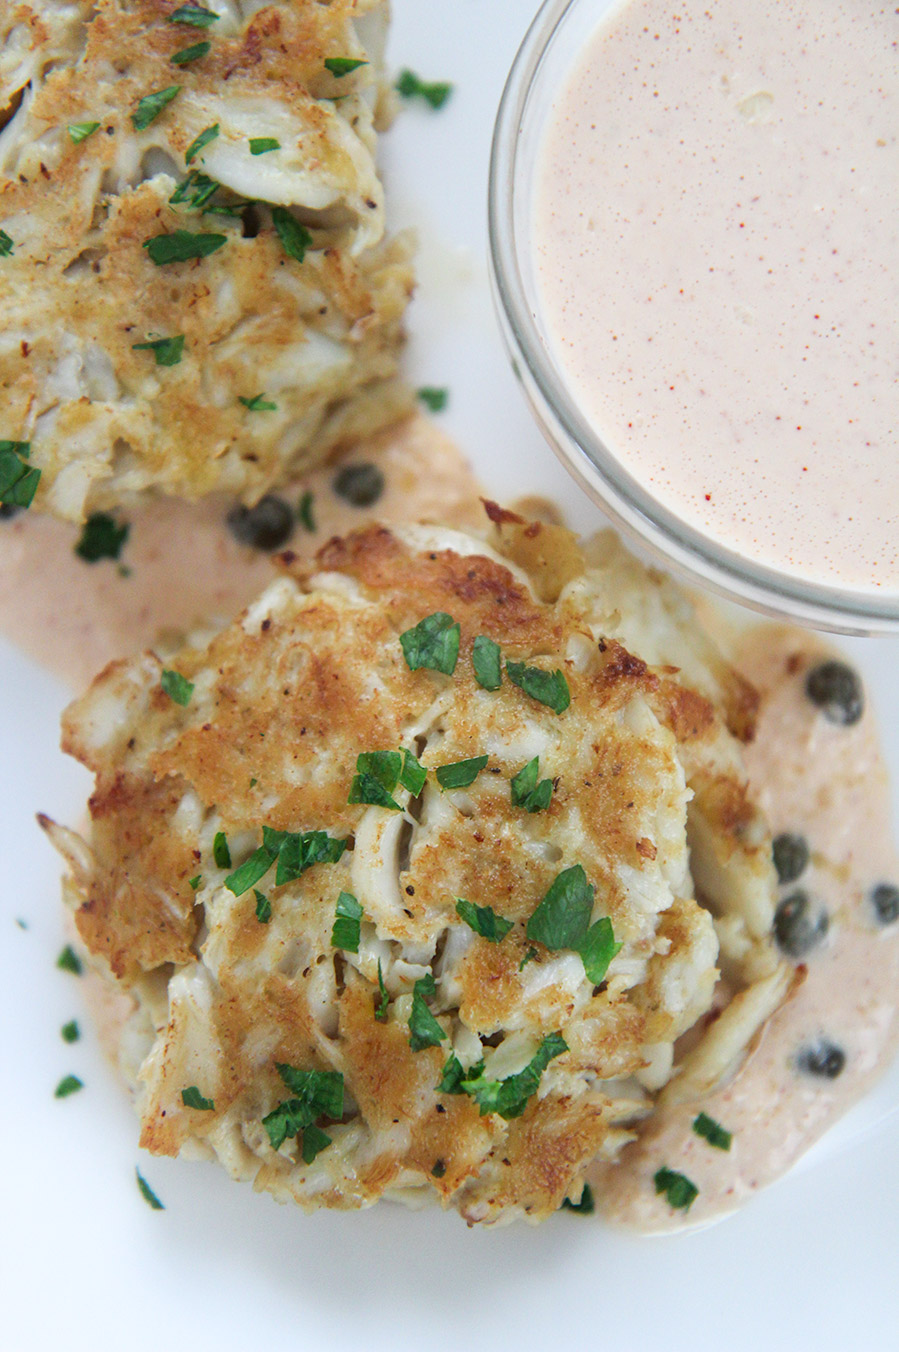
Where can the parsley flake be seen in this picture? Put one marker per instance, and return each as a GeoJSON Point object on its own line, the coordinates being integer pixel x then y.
{"type": "Point", "coordinates": [7, 244]}
{"type": "Point", "coordinates": [546, 687]}
{"type": "Point", "coordinates": [424, 1029]}
{"type": "Point", "coordinates": [69, 961]}
{"type": "Point", "coordinates": [196, 190]}
{"type": "Point", "coordinates": [177, 687]}
{"type": "Point", "coordinates": [305, 513]}
{"type": "Point", "coordinates": [377, 775]}
{"type": "Point", "coordinates": [681, 1193]}
{"type": "Point", "coordinates": [712, 1131]}
{"type": "Point", "coordinates": [201, 142]}
{"type": "Point", "coordinates": [194, 882]}
{"type": "Point", "coordinates": [453, 1075]}
{"type": "Point", "coordinates": [263, 907]}
{"type": "Point", "coordinates": [347, 923]}
{"type": "Point", "coordinates": [192, 1098]}
{"type": "Point", "coordinates": [151, 105]}
{"type": "Point", "coordinates": [18, 481]}
{"type": "Point", "coordinates": [411, 86]}
{"type": "Point", "coordinates": [585, 1207]}
{"type": "Point", "coordinates": [188, 54]}
{"type": "Point", "coordinates": [433, 398]}
{"type": "Point", "coordinates": [432, 643]}
{"type": "Point", "coordinates": [562, 920]}
{"type": "Point", "coordinates": [508, 1097]}
{"type": "Point", "coordinates": [529, 956]}
{"type": "Point", "coordinates": [343, 65]}
{"type": "Point", "coordinates": [439, 1169]}
{"type": "Point", "coordinates": [381, 1006]}
{"type": "Point", "coordinates": [486, 659]}
{"type": "Point", "coordinates": [258, 404]}
{"type": "Point", "coordinates": [295, 238]}
{"type": "Point", "coordinates": [459, 774]}
{"type": "Point", "coordinates": [483, 920]}
{"type": "Point", "coordinates": [413, 774]}
{"type": "Point", "coordinates": [147, 1192]}
{"type": "Point", "coordinates": [182, 245]}
{"type": "Point", "coordinates": [101, 538]}
{"type": "Point", "coordinates": [220, 850]}
{"type": "Point", "coordinates": [70, 1032]}
{"type": "Point", "coordinates": [294, 853]}
{"type": "Point", "coordinates": [80, 131]}
{"type": "Point", "coordinates": [194, 15]}
{"type": "Point", "coordinates": [261, 145]}
{"type": "Point", "coordinates": [69, 1084]}
{"type": "Point", "coordinates": [167, 351]}
{"type": "Point", "coordinates": [318, 1093]}
{"type": "Point", "coordinates": [527, 792]}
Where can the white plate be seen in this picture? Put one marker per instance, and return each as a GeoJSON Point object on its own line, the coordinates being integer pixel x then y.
{"type": "Point", "coordinates": [84, 1264]}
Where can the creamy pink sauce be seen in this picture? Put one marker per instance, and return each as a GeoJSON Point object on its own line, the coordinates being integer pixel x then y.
{"type": "Point", "coordinates": [827, 783]}
{"type": "Point", "coordinates": [714, 237]}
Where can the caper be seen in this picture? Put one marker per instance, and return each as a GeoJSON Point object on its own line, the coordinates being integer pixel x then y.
{"type": "Point", "coordinates": [885, 897]}
{"type": "Point", "coordinates": [359, 485]}
{"type": "Point", "coordinates": [791, 856]}
{"type": "Point", "coordinates": [822, 1058]}
{"type": "Point", "coordinates": [268, 525]}
{"type": "Point", "coordinates": [837, 691]}
{"type": "Point", "coordinates": [797, 928]}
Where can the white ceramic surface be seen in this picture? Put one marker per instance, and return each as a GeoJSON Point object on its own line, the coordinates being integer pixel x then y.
{"type": "Point", "coordinates": [85, 1264]}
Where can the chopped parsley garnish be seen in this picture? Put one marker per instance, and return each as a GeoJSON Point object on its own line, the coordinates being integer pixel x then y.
{"type": "Point", "coordinates": [379, 772]}
{"type": "Point", "coordinates": [424, 1030]}
{"type": "Point", "coordinates": [547, 687]}
{"type": "Point", "coordinates": [413, 774]}
{"type": "Point", "coordinates": [295, 238]}
{"type": "Point", "coordinates": [201, 142]}
{"type": "Point", "coordinates": [712, 1131]}
{"type": "Point", "coordinates": [258, 404]}
{"type": "Point", "coordinates": [80, 131]}
{"type": "Point", "coordinates": [527, 792]}
{"type": "Point", "coordinates": [411, 86]}
{"type": "Point", "coordinates": [69, 961]}
{"type": "Point", "coordinates": [507, 1097]}
{"type": "Point", "coordinates": [343, 65]}
{"type": "Point", "coordinates": [194, 882]}
{"type": "Point", "coordinates": [18, 481]}
{"type": "Point", "coordinates": [261, 145]}
{"type": "Point", "coordinates": [459, 774]}
{"type": "Point", "coordinates": [294, 851]}
{"type": "Point", "coordinates": [439, 1169]}
{"type": "Point", "coordinates": [70, 1032]}
{"type": "Point", "coordinates": [192, 53]}
{"type": "Point", "coordinates": [681, 1193]}
{"type": "Point", "coordinates": [486, 659]}
{"type": "Point", "coordinates": [529, 956]}
{"type": "Point", "coordinates": [562, 920]}
{"type": "Point", "coordinates": [194, 15]}
{"type": "Point", "coordinates": [151, 105]}
{"type": "Point", "coordinates": [263, 907]}
{"type": "Point", "coordinates": [195, 190]}
{"type": "Point", "coordinates": [7, 244]}
{"type": "Point", "coordinates": [221, 852]}
{"type": "Point", "coordinates": [433, 398]}
{"type": "Point", "coordinates": [347, 923]}
{"type": "Point", "coordinates": [432, 643]}
{"type": "Point", "coordinates": [147, 1192]}
{"type": "Point", "coordinates": [318, 1093]}
{"type": "Point", "coordinates": [585, 1207]}
{"type": "Point", "coordinates": [177, 687]}
{"type": "Point", "coordinates": [182, 245]}
{"type": "Point", "coordinates": [483, 920]}
{"type": "Point", "coordinates": [381, 1006]}
{"type": "Point", "coordinates": [305, 512]}
{"type": "Point", "coordinates": [101, 538]}
{"type": "Point", "coordinates": [167, 351]}
{"type": "Point", "coordinates": [192, 1098]}
{"type": "Point", "coordinates": [69, 1084]}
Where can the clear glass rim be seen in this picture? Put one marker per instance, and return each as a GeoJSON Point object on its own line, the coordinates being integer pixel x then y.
{"type": "Point", "coordinates": [692, 554]}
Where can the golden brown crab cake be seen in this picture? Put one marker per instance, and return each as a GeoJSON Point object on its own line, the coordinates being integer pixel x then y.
{"type": "Point", "coordinates": [484, 932]}
{"type": "Point", "coordinates": [196, 287]}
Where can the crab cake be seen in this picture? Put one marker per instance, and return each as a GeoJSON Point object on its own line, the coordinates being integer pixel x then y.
{"type": "Point", "coordinates": [399, 872]}
{"type": "Point", "coordinates": [197, 290]}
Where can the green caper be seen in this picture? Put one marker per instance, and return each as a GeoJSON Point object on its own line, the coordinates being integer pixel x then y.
{"type": "Point", "coordinates": [822, 1058]}
{"type": "Point", "coordinates": [837, 691]}
{"type": "Point", "coordinates": [885, 897]}
{"type": "Point", "coordinates": [267, 526]}
{"type": "Point", "coordinates": [799, 925]}
{"type": "Point", "coordinates": [359, 485]}
{"type": "Point", "coordinates": [791, 856]}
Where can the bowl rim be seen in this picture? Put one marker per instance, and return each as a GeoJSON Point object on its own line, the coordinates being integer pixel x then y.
{"type": "Point", "coordinates": [695, 556]}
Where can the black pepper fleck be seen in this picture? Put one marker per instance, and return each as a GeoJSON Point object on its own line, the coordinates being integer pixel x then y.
{"type": "Point", "coordinates": [798, 925]}
{"type": "Point", "coordinates": [837, 691]}
{"type": "Point", "coordinates": [267, 526]}
{"type": "Point", "coordinates": [359, 485]}
{"type": "Point", "coordinates": [791, 856]}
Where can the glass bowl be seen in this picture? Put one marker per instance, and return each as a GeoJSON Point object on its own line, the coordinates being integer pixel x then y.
{"type": "Point", "coordinates": [544, 62]}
